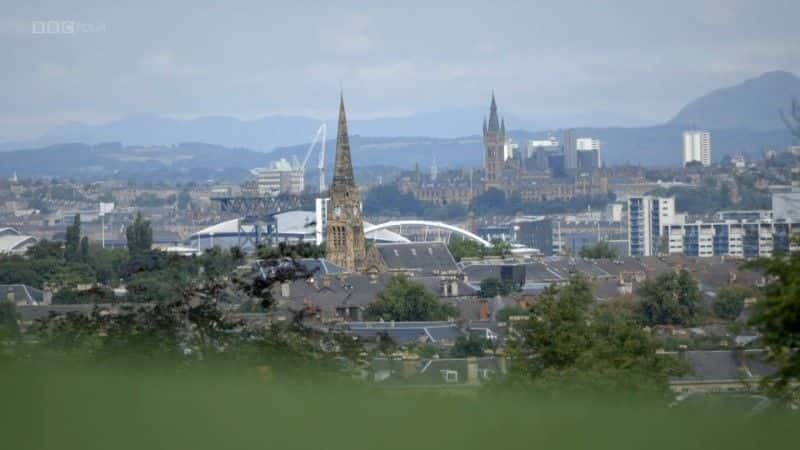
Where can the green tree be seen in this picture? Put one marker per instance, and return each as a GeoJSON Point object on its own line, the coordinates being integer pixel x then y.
{"type": "Point", "coordinates": [568, 345]}
{"type": "Point", "coordinates": [466, 346]}
{"type": "Point", "coordinates": [45, 249]}
{"type": "Point", "coordinates": [462, 248]}
{"type": "Point", "coordinates": [84, 249]}
{"type": "Point", "coordinates": [729, 301]}
{"type": "Point", "coordinates": [670, 299]}
{"type": "Point", "coordinates": [139, 236]}
{"type": "Point", "coordinates": [557, 333]}
{"type": "Point", "coordinates": [601, 250]}
{"type": "Point", "coordinates": [492, 287]}
{"type": "Point", "coordinates": [778, 318]}
{"type": "Point", "coordinates": [184, 200]}
{"type": "Point", "coordinates": [73, 240]}
{"type": "Point", "coordinates": [406, 300]}
{"type": "Point", "coordinates": [503, 314]}
{"type": "Point", "coordinates": [9, 325]}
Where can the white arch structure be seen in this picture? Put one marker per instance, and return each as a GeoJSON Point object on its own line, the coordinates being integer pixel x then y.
{"type": "Point", "coordinates": [427, 223]}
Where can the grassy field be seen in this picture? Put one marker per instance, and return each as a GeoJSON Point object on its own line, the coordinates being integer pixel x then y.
{"type": "Point", "coordinates": [56, 408]}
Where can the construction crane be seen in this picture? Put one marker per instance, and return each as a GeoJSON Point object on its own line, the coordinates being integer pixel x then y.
{"type": "Point", "coordinates": [320, 138]}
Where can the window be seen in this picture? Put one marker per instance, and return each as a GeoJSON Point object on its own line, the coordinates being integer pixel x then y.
{"type": "Point", "coordinates": [450, 376]}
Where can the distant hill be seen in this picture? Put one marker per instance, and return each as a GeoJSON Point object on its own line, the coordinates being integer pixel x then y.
{"type": "Point", "coordinates": [183, 162]}
{"type": "Point", "coordinates": [751, 105]}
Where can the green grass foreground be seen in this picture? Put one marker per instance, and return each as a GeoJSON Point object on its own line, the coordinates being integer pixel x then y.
{"type": "Point", "coordinates": [80, 408]}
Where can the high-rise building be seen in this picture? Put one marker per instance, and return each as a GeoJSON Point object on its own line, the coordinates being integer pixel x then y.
{"type": "Point", "coordinates": [279, 178]}
{"type": "Point", "coordinates": [344, 231]}
{"type": "Point", "coordinates": [570, 151]}
{"type": "Point", "coordinates": [646, 217]}
{"type": "Point", "coordinates": [494, 140]}
{"type": "Point", "coordinates": [588, 154]}
{"type": "Point", "coordinates": [697, 147]}
{"type": "Point", "coordinates": [588, 161]}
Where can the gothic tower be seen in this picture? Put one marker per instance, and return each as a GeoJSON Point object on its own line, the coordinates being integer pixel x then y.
{"type": "Point", "coordinates": [344, 241]}
{"type": "Point", "coordinates": [494, 138]}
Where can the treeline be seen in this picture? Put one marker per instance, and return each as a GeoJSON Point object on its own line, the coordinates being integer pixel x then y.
{"type": "Point", "coordinates": [80, 271]}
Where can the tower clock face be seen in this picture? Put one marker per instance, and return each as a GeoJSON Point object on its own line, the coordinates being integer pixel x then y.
{"type": "Point", "coordinates": [337, 211]}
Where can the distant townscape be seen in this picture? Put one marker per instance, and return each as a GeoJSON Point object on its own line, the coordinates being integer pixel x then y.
{"type": "Point", "coordinates": [427, 276]}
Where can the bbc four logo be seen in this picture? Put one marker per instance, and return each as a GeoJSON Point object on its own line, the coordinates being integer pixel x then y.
{"type": "Point", "coordinates": [65, 27]}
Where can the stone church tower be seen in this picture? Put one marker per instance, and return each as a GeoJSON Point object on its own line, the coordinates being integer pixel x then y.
{"type": "Point", "coordinates": [344, 241]}
{"type": "Point", "coordinates": [494, 139]}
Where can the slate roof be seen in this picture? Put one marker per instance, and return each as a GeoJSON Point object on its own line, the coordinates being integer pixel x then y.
{"type": "Point", "coordinates": [319, 266]}
{"type": "Point", "coordinates": [348, 290]}
{"type": "Point", "coordinates": [407, 332]}
{"type": "Point", "coordinates": [21, 293]}
{"type": "Point", "coordinates": [710, 366]}
{"type": "Point", "coordinates": [32, 312]}
{"type": "Point", "coordinates": [426, 258]}
{"type": "Point", "coordinates": [429, 372]}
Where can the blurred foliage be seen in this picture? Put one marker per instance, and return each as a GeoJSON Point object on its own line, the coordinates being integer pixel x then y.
{"type": "Point", "coordinates": [778, 318]}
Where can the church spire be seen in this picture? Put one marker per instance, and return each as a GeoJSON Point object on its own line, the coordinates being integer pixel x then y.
{"type": "Point", "coordinates": [494, 124]}
{"type": "Point", "coordinates": [343, 170]}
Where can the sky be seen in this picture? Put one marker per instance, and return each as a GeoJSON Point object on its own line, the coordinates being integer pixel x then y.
{"type": "Point", "coordinates": [620, 62]}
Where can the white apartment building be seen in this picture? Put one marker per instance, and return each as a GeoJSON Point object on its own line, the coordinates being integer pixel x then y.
{"type": "Point", "coordinates": [697, 147]}
{"type": "Point", "coordinates": [279, 178]}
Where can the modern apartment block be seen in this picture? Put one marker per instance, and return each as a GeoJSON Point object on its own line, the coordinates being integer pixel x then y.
{"type": "Point", "coordinates": [742, 238]}
{"type": "Point", "coordinates": [647, 215]}
{"type": "Point", "coordinates": [697, 147]}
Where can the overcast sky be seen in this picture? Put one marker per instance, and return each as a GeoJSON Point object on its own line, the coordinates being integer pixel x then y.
{"type": "Point", "coordinates": [640, 60]}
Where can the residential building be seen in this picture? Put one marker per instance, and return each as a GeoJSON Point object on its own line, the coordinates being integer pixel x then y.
{"type": "Point", "coordinates": [741, 239]}
{"type": "Point", "coordinates": [646, 217]}
{"type": "Point", "coordinates": [697, 147]}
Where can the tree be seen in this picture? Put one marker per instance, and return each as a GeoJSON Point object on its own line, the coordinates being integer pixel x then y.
{"type": "Point", "coordinates": [8, 319]}
{"type": "Point", "coordinates": [670, 299]}
{"type": "Point", "coordinates": [505, 313]}
{"type": "Point", "coordinates": [139, 236]}
{"type": "Point", "coordinates": [557, 332]}
{"type": "Point", "coordinates": [184, 200]}
{"type": "Point", "coordinates": [729, 302]}
{"type": "Point", "coordinates": [778, 318]}
{"type": "Point", "coordinates": [73, 238]}
{"type": "Point", "coordinates": [492, 287]}
{"type": "Point", "coordinates": [601, 250]}
{"type": "Point", "coordinates": [466, 346]}
{"type": "Point", "coordinates": [406, 300]}
{"type": "Point", "coordinates": [462, 248]}
{"type": "Point", "coordinates": [568, 345]}
{"type": "Point", "coordinates": [501, 248]}
{"type": "Point", "coordinates": [84, 249]}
